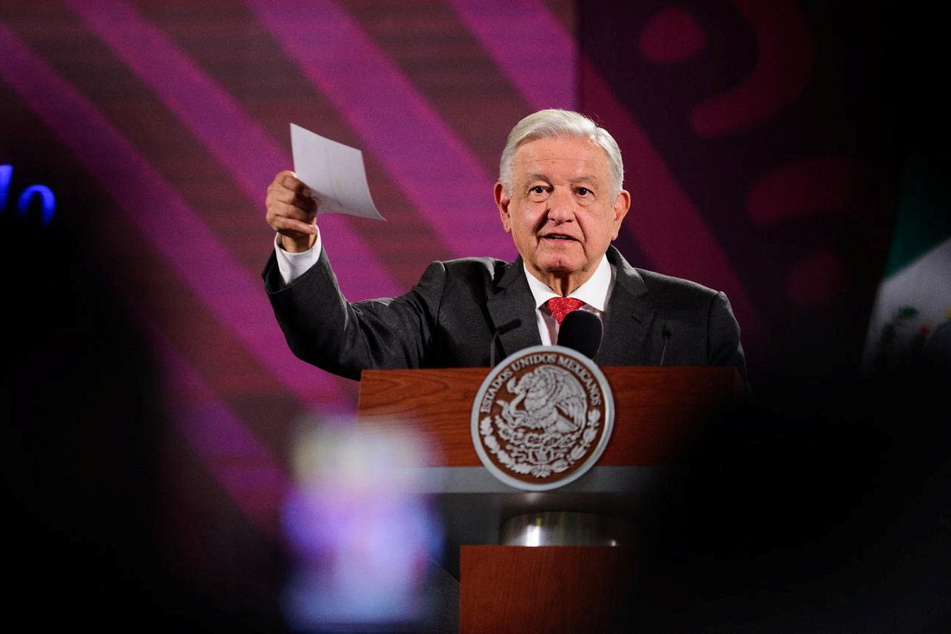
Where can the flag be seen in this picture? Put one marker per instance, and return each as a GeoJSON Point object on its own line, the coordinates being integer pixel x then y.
{"type": "Point", "coordinates": [911, 317]}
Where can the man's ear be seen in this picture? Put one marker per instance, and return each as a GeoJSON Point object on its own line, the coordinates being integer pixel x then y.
{"type": "Point", "coordinates": [621, 206]}
{"type": "Point", "coordinates": [502, 201]}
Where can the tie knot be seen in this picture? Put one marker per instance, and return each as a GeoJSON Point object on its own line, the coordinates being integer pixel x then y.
{"type": "Point", "coordinates": [561, 306]}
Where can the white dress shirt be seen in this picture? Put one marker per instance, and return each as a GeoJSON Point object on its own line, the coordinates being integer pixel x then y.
{"type": "Point", "coordinates": [293, 265]}
{"type": "Point", "coordinates": [594, 293]}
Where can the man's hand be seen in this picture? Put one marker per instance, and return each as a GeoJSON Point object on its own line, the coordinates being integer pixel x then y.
{"type": "Point", "coordinates": [291, 212]}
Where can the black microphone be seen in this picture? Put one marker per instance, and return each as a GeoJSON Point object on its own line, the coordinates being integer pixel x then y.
{"type": "Point", "coordinates": [581, 331]}
{"type": "Point", "coordinates": [504, 328]}
{"type": "Point", "coordinates": [665, 333]}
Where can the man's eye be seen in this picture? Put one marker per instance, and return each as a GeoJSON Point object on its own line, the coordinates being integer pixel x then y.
{"type": "Point", "coordinates": [538, 193]}
{"type": "Point", "coordinates": [583, 191]}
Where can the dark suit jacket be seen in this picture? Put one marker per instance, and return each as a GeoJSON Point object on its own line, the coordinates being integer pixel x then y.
{"type": "Point", "coordinates": [467, 312]}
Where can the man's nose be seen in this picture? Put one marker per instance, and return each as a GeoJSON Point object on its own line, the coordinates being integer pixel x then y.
{"type": "Point", "coordinates": [561, 206]}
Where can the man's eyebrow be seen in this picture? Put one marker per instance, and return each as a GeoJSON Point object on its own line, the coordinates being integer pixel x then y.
{"type": "Point", "coordinates": [584, 178]}
{"type": "Point", "coordinates": [537, 176]}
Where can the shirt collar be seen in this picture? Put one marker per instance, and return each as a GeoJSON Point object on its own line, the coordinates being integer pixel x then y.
{"type": "Point", "coordinates": [594, 292]}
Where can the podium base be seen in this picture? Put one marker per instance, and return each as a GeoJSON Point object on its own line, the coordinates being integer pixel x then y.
{"type": "Point", "coordinates": [547, 589]}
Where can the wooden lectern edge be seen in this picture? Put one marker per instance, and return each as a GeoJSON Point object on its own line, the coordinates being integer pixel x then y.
{"type": "Point", "coordinates": [656, 408]}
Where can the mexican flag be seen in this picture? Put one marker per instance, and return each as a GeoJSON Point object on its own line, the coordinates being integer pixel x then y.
{"type": "Point", "coordinates": [911, 318]}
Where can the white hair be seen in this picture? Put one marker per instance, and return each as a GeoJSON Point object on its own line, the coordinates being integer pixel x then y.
{"type": "Point", "coordinates": [554, 123]}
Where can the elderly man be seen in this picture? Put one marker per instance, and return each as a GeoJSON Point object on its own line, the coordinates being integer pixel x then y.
{"type": "Point", "coordinates": [560, 196]}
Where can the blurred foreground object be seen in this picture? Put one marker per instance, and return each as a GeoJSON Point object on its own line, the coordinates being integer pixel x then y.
{"type": "Point", "coordinates": [363, 540]}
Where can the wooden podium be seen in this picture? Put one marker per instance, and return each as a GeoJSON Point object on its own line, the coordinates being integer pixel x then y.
{"type": "Point", "coordinates": [504, 588]}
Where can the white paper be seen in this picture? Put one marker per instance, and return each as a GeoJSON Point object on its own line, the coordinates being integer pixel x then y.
{"type": "Point", "coordinates": [334, 172]}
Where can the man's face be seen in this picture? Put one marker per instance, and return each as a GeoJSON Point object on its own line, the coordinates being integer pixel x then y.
{"type": "Point", "coordinates": [561, 212]}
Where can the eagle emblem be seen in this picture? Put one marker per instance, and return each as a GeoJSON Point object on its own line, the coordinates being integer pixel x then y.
{"type": "Point", "coordinates": [542, 417]}
{"type": "Point", "coordinates": [547, 398]}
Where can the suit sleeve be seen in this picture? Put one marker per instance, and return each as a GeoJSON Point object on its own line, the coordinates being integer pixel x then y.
{"type": "Point", "coordinates": [724, 346]}
{"type": "Point", "coordinates": [324, 329]}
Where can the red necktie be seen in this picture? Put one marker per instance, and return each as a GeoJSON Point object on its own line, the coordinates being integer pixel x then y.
{"type": "Point", "coordinates": [561, 306]}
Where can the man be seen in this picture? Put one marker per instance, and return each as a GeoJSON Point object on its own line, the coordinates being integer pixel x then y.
{"type": "Point", "coordinates": [560, 196]}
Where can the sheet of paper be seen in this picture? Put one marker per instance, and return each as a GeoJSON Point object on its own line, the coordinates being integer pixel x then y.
{"type": "Point", "coordinates": [335, 173]}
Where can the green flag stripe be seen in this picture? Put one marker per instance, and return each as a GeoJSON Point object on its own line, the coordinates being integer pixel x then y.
{"type": "Point", "coordinates": [924, 213]}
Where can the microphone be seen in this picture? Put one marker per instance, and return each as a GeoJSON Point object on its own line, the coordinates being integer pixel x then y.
{"type": "Point", "coordinates": [581, 331]}
{"type": "Point", "coordinates": [665, 333]}
{"type": "Point", "coordinates": [501, 330]}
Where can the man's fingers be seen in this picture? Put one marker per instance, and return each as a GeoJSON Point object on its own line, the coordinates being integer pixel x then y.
{"type": "Point", "coordinates": [289, 181]}
{"type": "Point", "coordinates": [303, 200]}
{"type": "Point", "coordinates": [292, 227]}
{"type": "Point", "coordinates": [293, 199]}
{"type": "Point", "coordinates": [297, 195]}
{"type": "Point", "coordinates": [277, 211]}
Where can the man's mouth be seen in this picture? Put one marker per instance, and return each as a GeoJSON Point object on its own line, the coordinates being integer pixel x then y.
{"type": "Point", "coordinates": [558, 236]}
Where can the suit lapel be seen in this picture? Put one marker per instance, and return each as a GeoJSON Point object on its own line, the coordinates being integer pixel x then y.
{"type": "Point", "coordinates": [629, 316]}
{"type": "Point", "coordinates": [512, 310]}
